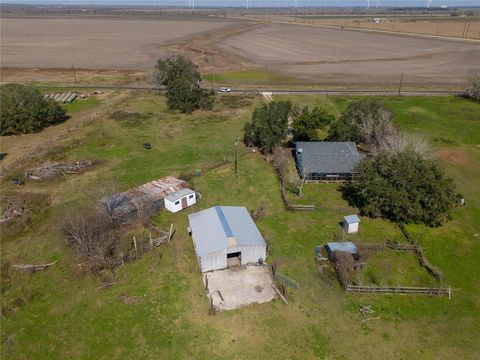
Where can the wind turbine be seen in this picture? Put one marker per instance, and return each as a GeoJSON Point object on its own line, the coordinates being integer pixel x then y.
{"type": "Point", "coordinates": [429, 3]}
{"type": "Point", "coordinates": [368, 4]}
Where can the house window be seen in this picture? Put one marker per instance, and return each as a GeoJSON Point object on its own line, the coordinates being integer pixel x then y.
{"type": "Point", "coordinates": [190, 196]}
{"type": "Point", "coordinates": [177, 202]}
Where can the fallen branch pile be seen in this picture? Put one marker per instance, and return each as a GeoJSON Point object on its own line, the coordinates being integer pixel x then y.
{"type": "Point", "coordinates": [53, 169]}
{"type": "Point", "coordinates": [32, 268]}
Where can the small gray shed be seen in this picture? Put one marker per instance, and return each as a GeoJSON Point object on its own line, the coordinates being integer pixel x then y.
{"type": "Point", "coordinates": [225, 236]}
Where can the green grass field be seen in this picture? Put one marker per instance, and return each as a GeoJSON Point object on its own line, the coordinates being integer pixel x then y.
{"type": "Point", "coordinates": [58, 313]}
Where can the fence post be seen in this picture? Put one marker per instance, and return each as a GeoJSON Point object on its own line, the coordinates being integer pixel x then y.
{"type": "Point", "coordinates": [151, 242]}
{"type": "Point", "coordinates": [135, 245]}
{"type": "Point", "coordinates": [170, 233]}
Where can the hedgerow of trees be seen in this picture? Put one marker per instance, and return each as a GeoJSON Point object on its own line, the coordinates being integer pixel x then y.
{"type": "Point", "coordinates": [403, 188]}
{"type": "Point", "coordinates": [269, 126]}
{"type": "Point", "coordinates": [24, 110]}
{"type": "Point", "coordinates": [181, 79]}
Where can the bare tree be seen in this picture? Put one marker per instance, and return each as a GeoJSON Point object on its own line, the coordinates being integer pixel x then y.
{"type": "Point", "coordinates": [378, 131]}
{"type": "Point", "coordinates": [91, 235]}
{"type": "Point", "coordinates": [156, 78]}
{"type": "Point", "coordinates": [401, 141]}
{"type": "Point", "coordinates": [473, 91]}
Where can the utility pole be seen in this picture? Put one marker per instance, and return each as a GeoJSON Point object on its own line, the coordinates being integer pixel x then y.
{"type": "Point", "coordinates": [400, 85]}
{"type": "Point", "coordinates": [236, 156]}
{"type": "Point", "coordinates": [74, 74]}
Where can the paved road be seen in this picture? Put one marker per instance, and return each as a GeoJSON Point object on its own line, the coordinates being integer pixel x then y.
{"type": "Point", "coordinates": [280, 91]}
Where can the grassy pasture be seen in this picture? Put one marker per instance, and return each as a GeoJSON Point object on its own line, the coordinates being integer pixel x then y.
{"type": "Point", "coordinates": [158, 308]}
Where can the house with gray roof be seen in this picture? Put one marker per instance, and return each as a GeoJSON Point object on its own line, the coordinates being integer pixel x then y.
{"type": "Point", "coordinates": [225, 236]}
{"type": "Point", "coordinates": [327, 161]}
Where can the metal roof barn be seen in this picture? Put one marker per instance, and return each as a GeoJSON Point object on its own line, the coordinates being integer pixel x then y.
{"type": "Point", "coordinates": [224, 233]}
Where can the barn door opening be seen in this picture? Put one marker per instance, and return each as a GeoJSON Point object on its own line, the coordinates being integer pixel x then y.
{"type": "Point", "coordinates": [234, 259]}
{"type": "Point", "coordinates": [184, 203]}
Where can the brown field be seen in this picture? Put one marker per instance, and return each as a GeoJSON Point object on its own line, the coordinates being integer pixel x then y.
{"type": "Point", "coordinates": [335, 55]}
{"type": "Point", "coordinates": [93, 43]}
{"type": "Point", "coordinates": [456, 27]}
{"type": "Point", "coordinates": [312, 54]}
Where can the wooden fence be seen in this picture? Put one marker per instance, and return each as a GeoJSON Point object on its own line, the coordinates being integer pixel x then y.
{"type": "Point", "coordinates": [400, 290]}
{"type": "Point", "coordinates": [288, 204]}
{"type": "Point", "coordinates": [399, 247]}
{"type": "Point", "coordinates": [432, 270]}
{"type": "Point", "coordinates": [163, 237]}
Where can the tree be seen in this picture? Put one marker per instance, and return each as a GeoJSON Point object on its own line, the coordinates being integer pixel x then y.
{"type": "Point", "coordinates": [363, 121]}
{"type": "Point", "coordinates": [473, 91]}
{"type": "Point", "coordinates": [91, 235]}
{"type": "Point", "coordinates": [181, 79]}
{"type": "Point", "coordinates": [186, 96]}
{"type": "Point", "coordinates": [24, 110]}
{"type": "Point", "coordinates": [306, 123]}
{"type": "Point", "coordinates": [268, 126]}
{"type": "Point", "coordinates": [403, 188]}
{"type": "Point", "coordinates": [368, 122]}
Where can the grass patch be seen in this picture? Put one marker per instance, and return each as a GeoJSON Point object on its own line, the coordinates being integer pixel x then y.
{"type": "Point", "coordinates": [79, 105]}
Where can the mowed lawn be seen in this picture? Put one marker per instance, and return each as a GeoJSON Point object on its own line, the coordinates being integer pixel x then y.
{"type": "Point", "coordinates": [59, 313]}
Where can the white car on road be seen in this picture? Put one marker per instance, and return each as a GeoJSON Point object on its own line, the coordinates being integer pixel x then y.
{"type": "Point", "coordinates": [224, 90]}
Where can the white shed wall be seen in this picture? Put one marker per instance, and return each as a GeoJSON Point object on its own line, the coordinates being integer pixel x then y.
{"type": "Point", "coordinates": [351, 228]}
{"type": "Point", "coordinates": [170, 205]}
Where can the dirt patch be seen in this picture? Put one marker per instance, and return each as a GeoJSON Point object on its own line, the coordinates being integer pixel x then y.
{"type": "Point", "coordinates": [451, 156]}
{"type": "Point", "coordinates": [18, 211]}
{"type": "Point", "coordinates": [129, 300]}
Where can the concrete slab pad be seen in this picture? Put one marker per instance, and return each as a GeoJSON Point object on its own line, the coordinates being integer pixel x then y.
{"type": "Point", "coordinates": [239, 286]}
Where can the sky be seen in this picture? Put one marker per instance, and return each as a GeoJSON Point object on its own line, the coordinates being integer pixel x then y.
{"type": "Point", "coordinates": [258, 3]}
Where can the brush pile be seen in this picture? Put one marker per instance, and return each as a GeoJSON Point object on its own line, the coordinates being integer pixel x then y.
{"type": "Point", "coordinates": [53, 169]}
